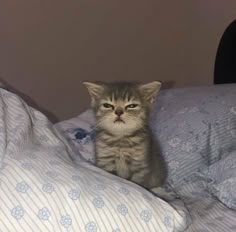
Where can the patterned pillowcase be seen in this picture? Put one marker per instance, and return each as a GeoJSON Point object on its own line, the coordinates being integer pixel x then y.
{"type": "Point", "coordinates": [79, 131]}
{"type": "Point", "coordinates": [195, 127]}
{"type": "Point", "coordinates": [221, 180]}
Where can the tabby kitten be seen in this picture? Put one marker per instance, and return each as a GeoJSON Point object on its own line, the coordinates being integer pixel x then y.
{"type": "Point", "coordinates": [123, 141]}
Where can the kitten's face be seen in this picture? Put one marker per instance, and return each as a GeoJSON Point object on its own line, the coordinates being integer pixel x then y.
{"type": "Point", "coordinates": [121, 115]}
{"type": "Point", "coordinates": [121, 108]}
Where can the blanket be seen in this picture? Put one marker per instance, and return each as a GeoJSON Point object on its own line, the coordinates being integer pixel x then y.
{"type": "Point", "coordinates": [42, 189]}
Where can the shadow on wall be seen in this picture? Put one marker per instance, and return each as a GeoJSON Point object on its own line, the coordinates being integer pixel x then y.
{"type": "Point", "coordinates": [29, 101]}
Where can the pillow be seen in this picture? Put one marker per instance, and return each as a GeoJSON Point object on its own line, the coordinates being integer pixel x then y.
{"type": "Point", "coordinates": [194, 127]}
{"type": "Point", "coordinates": [42, 189]}
{"type": "Point", "coordinates": [80, 132]}
{"type": "Point", "coordinates": [221, 180]}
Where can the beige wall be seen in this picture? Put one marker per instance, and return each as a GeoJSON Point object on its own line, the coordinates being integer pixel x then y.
{"type": "Point", "coordinates": [47, 48]}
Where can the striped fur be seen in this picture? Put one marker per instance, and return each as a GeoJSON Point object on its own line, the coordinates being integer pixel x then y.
{"type": "Point", "coordinates": [124, 143]}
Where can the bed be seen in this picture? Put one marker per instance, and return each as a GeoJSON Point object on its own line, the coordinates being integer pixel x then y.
{"type": "Point", "coordinates": [196, 131]}
{"type": "Point", "coordinates": [48, 180]}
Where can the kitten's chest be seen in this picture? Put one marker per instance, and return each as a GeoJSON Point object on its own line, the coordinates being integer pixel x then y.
{"type": "Point", "coordinates": [124, 154]}
{"type": "Point", "coordinates": [122, 161]}
{"type": "Point", "coordinates": [121, 155]}
{"type": "Point", "coordinates": [125, 158]}
{"type": "Point", "coordinates": [126, 149]}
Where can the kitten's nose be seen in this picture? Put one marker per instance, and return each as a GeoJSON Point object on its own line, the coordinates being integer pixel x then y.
{"type": "Point", "coordinates": [119, 112]}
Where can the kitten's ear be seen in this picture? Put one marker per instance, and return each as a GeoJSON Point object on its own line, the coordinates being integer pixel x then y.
{"type": "Point", "coordinates": [95, 90]}
{"type": "Point", "coordinates": [150, 90]}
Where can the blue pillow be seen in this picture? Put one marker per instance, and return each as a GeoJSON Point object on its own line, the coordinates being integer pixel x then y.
{"type": "Point", "coordinates": [194, 127]}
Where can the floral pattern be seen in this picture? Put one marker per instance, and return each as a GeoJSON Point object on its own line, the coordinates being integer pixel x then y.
{"type": "Point", "coordinates": [44, 213]}
{"type": "Point", "coordinates": [98, 202]}
{"type": "Point", "coordinates": [122, 209]}
{"type": "Point", "coordinates": [146, 215]}
{"type": "Point", "coordinates": [91, 227]}
{"type": "Point", "coordinates": [48, 188]}
{"type": "Point", "coordinates": [124, 191]}
{"type": "Point", "coordinates": [51, 174]}
{"type": "Point", "coordinates": [22, 187]}
{"type": "Point", "coordinates": [17, 212]}
{"type": "Point", "coordinates": [74, 194]}
{"type": "Point", "coordinates": [168, 222]}
{"type": "Point", "coordinates": [66, 221]}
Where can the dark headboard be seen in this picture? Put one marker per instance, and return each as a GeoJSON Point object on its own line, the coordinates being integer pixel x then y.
{"type": "Point", "coordinates": [225, 63]}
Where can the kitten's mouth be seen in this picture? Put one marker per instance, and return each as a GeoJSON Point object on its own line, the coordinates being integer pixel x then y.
{"type": "Point", "coordinates": [118, 120]}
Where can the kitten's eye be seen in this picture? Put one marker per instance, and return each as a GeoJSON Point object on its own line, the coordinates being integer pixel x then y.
{"type": "Point", "coordinates": [108, 106]}
{"type": "Point", "coordinates": [131, 106]}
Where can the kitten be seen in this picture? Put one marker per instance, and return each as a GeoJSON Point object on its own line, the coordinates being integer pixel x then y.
{"type": "Point", "coordinates": [123, 143]}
